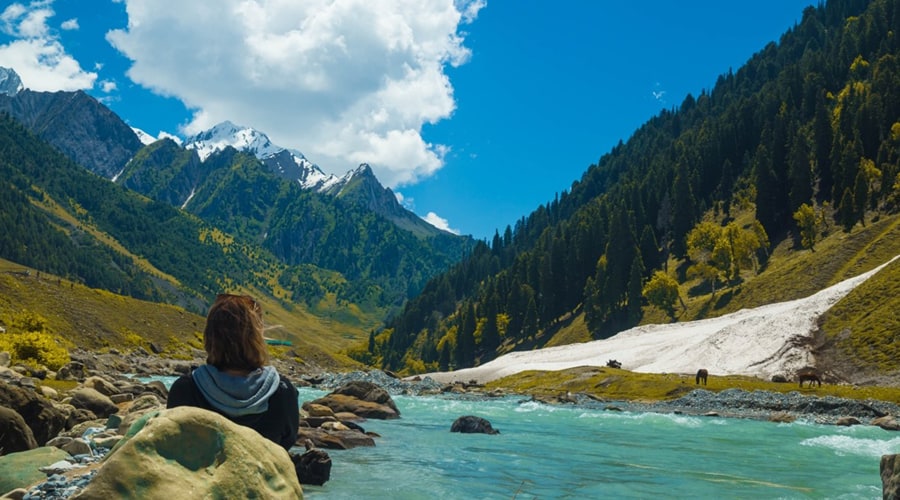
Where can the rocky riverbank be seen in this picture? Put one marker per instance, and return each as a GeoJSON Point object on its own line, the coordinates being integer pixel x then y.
{"type": "Point", "coordinates": [733, 403]}
{"type": "Point", "coordinates": [96, 427]}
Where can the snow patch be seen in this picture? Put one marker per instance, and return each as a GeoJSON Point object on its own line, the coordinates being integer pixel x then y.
{"type": "Point", "coordinates": [759, 342]}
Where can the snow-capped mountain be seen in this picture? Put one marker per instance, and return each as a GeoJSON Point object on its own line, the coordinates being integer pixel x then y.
{"type": "Point", "coordinates": [10, 83]}
{"type": "Point", "coordinates": [288, 163]}
{"type": "Point", "coordinates": [144, 137]}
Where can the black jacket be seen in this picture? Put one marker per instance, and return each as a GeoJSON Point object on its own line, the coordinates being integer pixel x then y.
{"type": "Point", "coordinates": [279, 423]}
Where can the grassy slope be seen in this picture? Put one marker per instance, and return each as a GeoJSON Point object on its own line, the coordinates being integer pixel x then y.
{"type": "Point", "coordinates": [859, 341]}
{"type": "Point", "coordinates": [98, 320]}
{"type": "Point", "coordinates": [790, 274]}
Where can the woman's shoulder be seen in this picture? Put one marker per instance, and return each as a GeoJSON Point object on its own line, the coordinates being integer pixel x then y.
{"type": "Point", "coordinates": [187, 377]}
{"type": "Point", "coordinates": [182, 392]}
{"type": "Point", "coordinates": [285, 384]}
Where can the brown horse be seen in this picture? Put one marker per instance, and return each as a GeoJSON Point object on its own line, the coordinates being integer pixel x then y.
{"type": "Point", "coordinates": [701, 375]}
{"type": "Point", "coordinates": [809, 377]}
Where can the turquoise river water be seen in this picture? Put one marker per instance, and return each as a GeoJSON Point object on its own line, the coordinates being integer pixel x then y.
{"type": "Point", "coordinates": [563, 452]}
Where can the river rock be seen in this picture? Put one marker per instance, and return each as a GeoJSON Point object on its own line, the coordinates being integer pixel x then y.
{"type": "Point", "coordinates": [94, 401]}
{"type": "Point", "coordinates": [890, 476]}
{"type": "Point", "coordinates": [145, 402]}
{"type": "Point", "coordinates": [22, 469]}
{"type": "Point", "coordinates": [334, 426]}
{"type": "Point", "coordinates": [782, 417]}
{"type": "Point", "coordinates": [121, 398]}
{"type": "Point", "coordinates": [158, 388]}
{"type": "Point", "coordinates": [15, 435]}
{"type": "Point", "coordinates": [470, 424]}
{"type": "Point", "coordinates": [847, 421]}
{"type": "Point", "coordinates": [312, 467]}
{"type": "Point", "coordinates": [39, 413]}
{"type": "Point", "coordinates": [100, 385]}
{"type": "Point", "coordinates": [887, 422]}
{"type": "Point", "coordinates": [363, 398]}
{"type": "Point", "coordinates": [189, 452]}
{"type": "Point", "coordinates": [73, 370]}
{"type": "Point", "coordinates": [346, 416]}
{"type": "Point", "coordinates": [317, 410]}
{"type": "Point", "coordinates": [367, 409]}
{"type": "Point", "coordinates": [72, 446]}
{"type": "Point", "coordinates": [49, 392]}
{"type": "Point", "coordinates": [334, 440]}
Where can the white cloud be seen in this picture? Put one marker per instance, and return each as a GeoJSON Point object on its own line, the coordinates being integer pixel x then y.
{"type": "Point", "coordinates": [108, 86]}
{"type": "Point", "coordinates": [71, 24]}
{"type": "Point", "coordinates": [36, 54]}
{"type": "Point", "coordinates": [345, 81]}
{"type": "Point", "coordinates": [439, 222]}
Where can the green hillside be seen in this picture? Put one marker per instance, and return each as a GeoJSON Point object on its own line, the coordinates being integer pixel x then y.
{"type": "Point", "coordinates": [780, 180]}
{"type": "Point", "coordinates": [73, 227]}
{"type": "Point", "coordinates": [75, 316]}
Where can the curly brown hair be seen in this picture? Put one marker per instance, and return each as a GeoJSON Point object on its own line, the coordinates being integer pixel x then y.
{"type": "Point", "coordinates": [233, 337]}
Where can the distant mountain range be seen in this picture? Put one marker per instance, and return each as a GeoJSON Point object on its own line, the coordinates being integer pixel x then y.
{"type": "Point", "coordinates": [258, 193]}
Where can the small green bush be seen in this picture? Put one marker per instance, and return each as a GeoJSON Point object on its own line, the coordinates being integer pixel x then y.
{"type": "Point", "coordinates": [35, 348]}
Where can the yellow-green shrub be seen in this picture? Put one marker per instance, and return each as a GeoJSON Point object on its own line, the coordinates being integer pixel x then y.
{"type": "Point", "coordinates": [35, 348]}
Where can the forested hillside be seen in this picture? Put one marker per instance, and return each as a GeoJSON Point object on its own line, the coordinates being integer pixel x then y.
{"type": "Point", "coordinates": [62, 219]}
{"type": "Point", "coordinates": [382, 259]}
{"type": "Point", "coordinates": [799, 143]}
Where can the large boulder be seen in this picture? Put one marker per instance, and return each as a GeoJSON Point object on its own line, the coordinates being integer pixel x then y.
{"type": "Point", "coordinates": [92, 400]}
{"type": "Point", "coordinates": [364, 399]}
{"type": "Point", "coordinates": [42, 417]}
{"type": "Point", "coordinates": [890, 476]}
{"type": "Point", "coordinates": [23, 469]}
{"type": "Point", "coordinates": [15, 435]}
{"type": "Point", "coordinates": [470, 424]}
{"type": "Point", "coordinates": [188, 453]}
{"type": "Point", "coordinates": [100, 385]}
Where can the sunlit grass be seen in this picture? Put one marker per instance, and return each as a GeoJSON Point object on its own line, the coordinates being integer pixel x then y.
{"type": "Point", "coordinates": [623, 385]}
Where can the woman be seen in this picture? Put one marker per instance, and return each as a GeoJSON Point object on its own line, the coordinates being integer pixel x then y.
{"type": "Point", "coordinates": [236, 380]}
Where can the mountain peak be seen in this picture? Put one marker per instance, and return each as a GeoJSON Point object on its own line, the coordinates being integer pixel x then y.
{"type": "Point", "coordinates": [10, 83]}
{"type": "Point", "coordinates": [288, 163]}
{"type": "Point", "coordinates": [228, 134]}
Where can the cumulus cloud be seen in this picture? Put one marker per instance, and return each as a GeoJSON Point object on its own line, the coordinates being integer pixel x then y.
{"type": "Point", "coordinates": [439, 222]}
{"type": "Point", "coordinates": [345, 81]}
{"type": "Point", "coordinates": [36, 53]}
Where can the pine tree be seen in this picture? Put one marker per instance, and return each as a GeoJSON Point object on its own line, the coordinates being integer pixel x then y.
{"type": "Point", "coordinates": [635, 289]}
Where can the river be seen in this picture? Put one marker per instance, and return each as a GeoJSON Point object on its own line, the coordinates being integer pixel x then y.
{"type": "Point", "coordinates": [565, 452]}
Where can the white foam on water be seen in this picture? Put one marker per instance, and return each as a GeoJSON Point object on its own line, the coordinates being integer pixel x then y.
{"type": "Point", "coordinates": [849, 445]}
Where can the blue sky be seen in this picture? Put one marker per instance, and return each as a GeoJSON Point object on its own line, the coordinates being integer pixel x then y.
{"type": "Point", "coordinates": [473, 112]}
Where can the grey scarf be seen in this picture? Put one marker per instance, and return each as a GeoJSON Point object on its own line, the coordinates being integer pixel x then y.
{"type": "Point", "coordinates": [236, 395]}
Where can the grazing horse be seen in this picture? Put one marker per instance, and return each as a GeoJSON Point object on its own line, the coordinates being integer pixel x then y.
{"type": "Point", "coordinates": [701, 375]}
{"type": "Point", "coordinates": [809, 376]}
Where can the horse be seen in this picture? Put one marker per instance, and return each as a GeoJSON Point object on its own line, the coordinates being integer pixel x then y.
{"type": "Point", "coordinates": [701, 375]}
{"type": "Point", "coordinates": [811, 377]}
